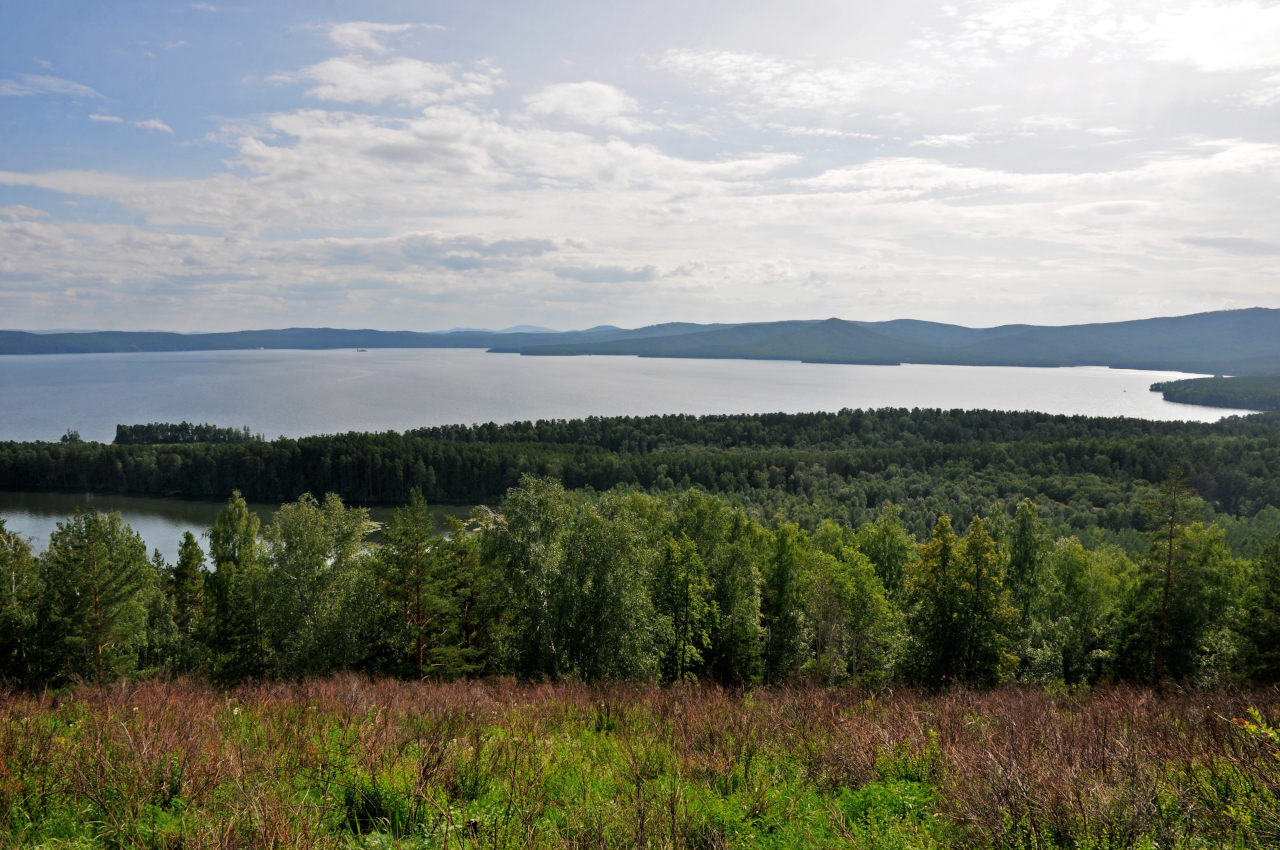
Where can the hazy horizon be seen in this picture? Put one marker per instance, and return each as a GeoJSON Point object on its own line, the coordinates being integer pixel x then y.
{"type": "Point", "coordinates": [520, 328]}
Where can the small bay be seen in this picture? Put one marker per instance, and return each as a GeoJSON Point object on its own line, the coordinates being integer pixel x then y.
{"type": "Point", "coordinates": [159, 522]}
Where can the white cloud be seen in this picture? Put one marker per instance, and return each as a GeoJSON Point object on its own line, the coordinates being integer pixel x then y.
{"type": "Point", "coordinates": [778, 83]}
{"type": "Point", "coordinates": [413, 82]}
{"type": "Point", "coordinates": [14, 212]}
{"type": "Point", "coordinates": [1265, 94]}
{"type": "Point", "coordinates": [945, 140]}
{"type": "Point", "coordinates": [106, 119]}
{"type": "Point", "coordinates": [590, 103]}
{"type": "Point", "coordinates": [364, 36]}
{"type": "Point", "coordinates": [26, 85]}
{"type": "Point", "coordinates": [153, 124]}
{"type": "Point", "coordinates": [203, 7]}
{"type": "Point", "coordinates": [1219, 36]}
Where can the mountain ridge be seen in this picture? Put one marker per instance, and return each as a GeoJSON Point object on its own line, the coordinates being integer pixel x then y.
{"type": "Point", "coordinates": [1242, 342]}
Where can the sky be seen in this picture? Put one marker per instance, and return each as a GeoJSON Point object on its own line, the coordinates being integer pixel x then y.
{"type": "Point", "coordinates": [426, 165]}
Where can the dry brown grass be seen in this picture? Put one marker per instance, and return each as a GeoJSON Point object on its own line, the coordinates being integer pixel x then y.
{"type": "Point", "coordinates": [271, 765]}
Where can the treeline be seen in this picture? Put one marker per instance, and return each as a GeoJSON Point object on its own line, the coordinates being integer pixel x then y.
{"type": "Point", "coordinates": [1247, 393]}
{"type": "Point", "coordinates": [629, 586]}
{"type": "Point", "coordinates": [181, 432]}
{"type": "Point", "coordinates": [1086, 474]}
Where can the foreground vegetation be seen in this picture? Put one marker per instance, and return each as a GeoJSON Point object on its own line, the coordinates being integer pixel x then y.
{"type": "Point", "coordinates": [351, 762]}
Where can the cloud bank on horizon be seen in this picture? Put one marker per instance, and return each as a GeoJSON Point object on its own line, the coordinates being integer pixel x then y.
{"type": "Point", "coordinates": [216, 166]}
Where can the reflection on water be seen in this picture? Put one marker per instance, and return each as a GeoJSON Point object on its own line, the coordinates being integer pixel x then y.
{"type": "Point", "coordinates": [159, 522]}
{"type": "Point", "coordinates": [297, 393]}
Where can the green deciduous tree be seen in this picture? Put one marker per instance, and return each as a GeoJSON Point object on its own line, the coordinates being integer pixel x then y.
{"type": "Point", "coordinates": [786, 646]}
{"type": "Point", "coordinates": [681, 597]}
{"type": "Point", "coordinates": [733, 548]}
{"type": "Point", "coordinates": [523, 543]}
{"type": "Point", "coordinates": [890, 548]}
{"type": "Point", "coordinates": [316, 588]}
{"type": "Point", "coordinates": [1071, 618]}
{"type": "Point", "coordinates": [960, 616]}
{"type": "Point", "coordinates": [851, 622]}
{"type": "Point", "coordinates": [575, 579]}
{"type": "Point", "coordinates": [607, 616]}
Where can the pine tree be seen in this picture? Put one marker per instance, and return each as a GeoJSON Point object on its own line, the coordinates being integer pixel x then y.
{"type": "Point", "coordinates": [1262, 628]}
{"type": "Point", "coordinates": [232, 624]}
{"type": "Point", "coordinates": [408, 583]}
{"type": "Point", "coordinates": [988, 615]}
{"type": "Point", "coordinates": [92, 614]}
{"type": "Point", "coordinates": [933, 589]}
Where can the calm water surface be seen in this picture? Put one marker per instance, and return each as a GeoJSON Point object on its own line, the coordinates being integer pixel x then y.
{"type": "Point", "coordinates": [296, 393]}
{"type": "Point", "coordinates": [159, 522]}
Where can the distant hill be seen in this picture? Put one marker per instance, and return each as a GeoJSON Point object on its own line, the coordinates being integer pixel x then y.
{"type": "Point", "coordinates": [1235, 342]}
{"type": "Point", "coordinates": [1241, 342]}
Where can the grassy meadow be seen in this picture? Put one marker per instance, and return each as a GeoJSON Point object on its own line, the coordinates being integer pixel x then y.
{"type": "Point", "coordinates": [350, 761]}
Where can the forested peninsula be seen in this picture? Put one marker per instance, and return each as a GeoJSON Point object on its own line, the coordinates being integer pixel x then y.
{"type": "Point", "coordinates": [1241, 393]}
{"type": "Point", "coordinates": [1237, 342]}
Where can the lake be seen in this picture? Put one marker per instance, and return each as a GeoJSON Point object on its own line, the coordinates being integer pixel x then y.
{"type": "Point", "coordinates": [296, 393]}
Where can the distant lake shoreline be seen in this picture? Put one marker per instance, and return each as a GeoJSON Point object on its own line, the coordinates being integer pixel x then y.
{"type": "Point", "coordinates": [297, 393]}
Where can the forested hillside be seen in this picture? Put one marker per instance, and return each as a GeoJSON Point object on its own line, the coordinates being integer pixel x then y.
{"type": "Point", "coordinates": [1238, 342]}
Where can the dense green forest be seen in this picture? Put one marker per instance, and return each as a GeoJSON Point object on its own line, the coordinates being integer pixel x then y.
{"type": "Point", "coordinates": [678, 587]}
{"type": "Point", "coordinates": [181, 432]}
{"type": "Point", "coordinates": [1247, 393]}
{"type": "Point", "coordinates": [1086, 475]}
